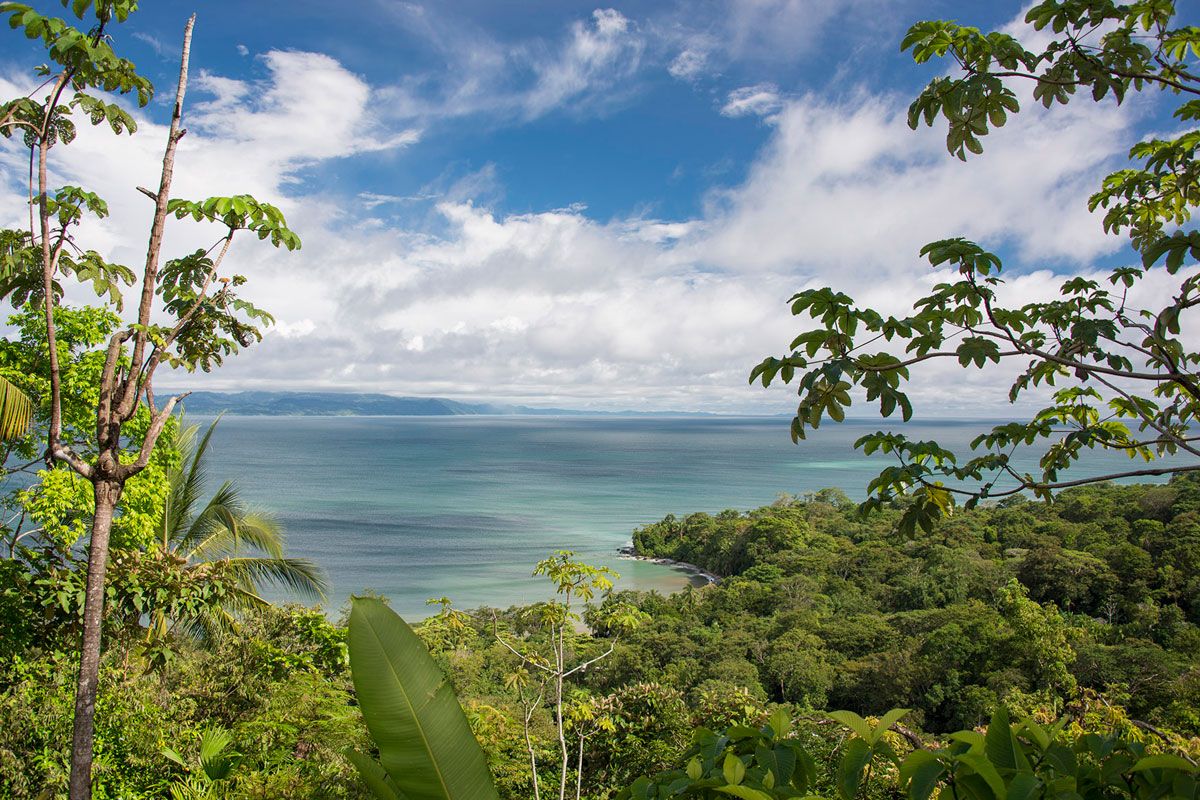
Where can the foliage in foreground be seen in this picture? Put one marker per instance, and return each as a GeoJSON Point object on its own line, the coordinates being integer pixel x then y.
{"type": "Point", "coordinates": [1004, 763]}
{"type": "Point", "coordinates": [188, 315]}
{"type": "Point", "coordinates": [430, 752]}
{"type": "Point", "coordinates": [1109, 355]}
{"type": "Point", "coordinates": [426, 748]}
{"type": "Point", "coordinates": [279, 688]}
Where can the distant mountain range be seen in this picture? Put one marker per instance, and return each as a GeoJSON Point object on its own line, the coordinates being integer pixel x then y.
{"type": "Point", "coordinates": [345, 404]}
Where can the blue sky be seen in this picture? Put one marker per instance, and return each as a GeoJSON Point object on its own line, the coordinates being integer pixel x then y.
{"type": "Point", "coordinates": [580, 204]}
{"type": "Point", "coordinates": [641, 141]}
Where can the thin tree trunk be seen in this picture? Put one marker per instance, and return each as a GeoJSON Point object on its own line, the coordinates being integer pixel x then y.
{"type": "Point", "coordinates": [532, 757]}
{"type": "Point", "coordinates": [579, 769]}
{"type": "Point", "coordinates": [107, 492]}
{"type": "Point", "coordinates": [558, 708]}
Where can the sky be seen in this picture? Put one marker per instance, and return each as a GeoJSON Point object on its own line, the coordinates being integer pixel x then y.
{"type": "Point", "coordinates": [594, 206]}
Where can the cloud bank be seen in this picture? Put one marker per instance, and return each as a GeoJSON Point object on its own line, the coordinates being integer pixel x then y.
{"type": "Point", "coordinates": [554, 307]}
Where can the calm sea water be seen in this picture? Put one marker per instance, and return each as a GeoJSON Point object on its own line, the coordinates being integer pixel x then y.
{"type": "Point", "coordinates": [421, 507]}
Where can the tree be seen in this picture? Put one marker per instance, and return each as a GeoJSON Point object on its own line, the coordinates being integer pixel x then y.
{"type": "Point", "coordinates": [225, 535]}
{"type": "Point", "coordinates": [1123, 377]}
{"type": "Point", "coordinates": [204, 318]}
{"type": "Point", "coordinates": [542, 674]}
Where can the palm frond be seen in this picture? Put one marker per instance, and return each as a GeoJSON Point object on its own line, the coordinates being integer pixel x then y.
{"type": "Point", "coordinates": [240, 534]}
{"type": "Point", "coordinates": [16, 411]}
{"type": "Point", "coordinates": [243, 545]}
{"type": "Point", "coordinates": [212, 528]}
{"type": "Point", "coordinates": [186, 480]}
{"type": "Point", "coordinates": [197, 469]}
{"type": "Point", "coordinates": [298, 574]}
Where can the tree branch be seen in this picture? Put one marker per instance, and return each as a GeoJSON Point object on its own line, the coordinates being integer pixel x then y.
{"type": "Point", "coordinates": [132, 389]}
{"type": "Point", "coordinates": [126, 471]}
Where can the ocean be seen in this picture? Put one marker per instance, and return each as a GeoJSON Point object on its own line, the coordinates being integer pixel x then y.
{"type": "Point", "coordinates": [463, 506]}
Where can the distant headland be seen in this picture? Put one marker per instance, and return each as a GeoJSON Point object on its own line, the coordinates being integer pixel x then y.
{"type": "Point", "coordinates": [349, 404]}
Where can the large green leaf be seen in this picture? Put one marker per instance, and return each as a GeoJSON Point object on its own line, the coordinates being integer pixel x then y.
{"type": "Point", "coordinates": [373, 775]}
{"type": "Point", "coordinates": [850, 769]}
{"type": "Point", "coordinates": [424, 740]}
{"type": "Point", "coordinates": [1001, 746]}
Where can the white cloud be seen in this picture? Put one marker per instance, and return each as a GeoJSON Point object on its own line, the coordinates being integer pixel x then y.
{"type": "Point", "coordinates": [160, 49]}
{"type": "Point", "coordinates": [689, 64]}
{"type": "Point", "coordinates": [711, 37]}
{"type": "Point", "coordinates": [847, 189]}
{"type": "Point", "coordinates": [779, 29]}
{"type": "Point", "coordinates": [558, 308]}
{"type": "Point", "coordinates": [372, 200]}
{"type": "Point", "coordinates": [597, 55]}
{"type": "Point", "coordinates": [589, 68]}
{"type": "Point", "coordinates": [309, 108]}
{"type": "Point", "coordinates": [760, 100]}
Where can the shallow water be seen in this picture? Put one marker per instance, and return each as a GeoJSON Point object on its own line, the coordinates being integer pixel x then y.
{"type": "Point", "coordinates": [421, 507]}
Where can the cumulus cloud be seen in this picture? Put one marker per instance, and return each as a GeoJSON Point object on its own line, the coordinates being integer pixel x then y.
{"type": "Point", "coordinates": [309, 108]}
{"type": "Point", "coordinates": [555, 307]}
{"type": "Point", "coordinates": [843, 188]}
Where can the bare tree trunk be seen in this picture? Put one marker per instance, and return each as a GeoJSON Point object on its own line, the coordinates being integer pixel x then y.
{"type": "Point", "coordinates": [107, 493]}
{"type": "Point", "coordinates": [560, 658]}
{"type": "Point", "coordinates": [528, 715]}
{"type": "Point", "coordinates": [579, 769]}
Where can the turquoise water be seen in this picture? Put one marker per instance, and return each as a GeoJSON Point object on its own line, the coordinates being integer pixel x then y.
{"type": "Point", "coordinates": [421, 507]}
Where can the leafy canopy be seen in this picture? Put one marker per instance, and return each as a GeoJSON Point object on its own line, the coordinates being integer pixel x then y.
{"type": "Point", "coordinates": [1117, 370]}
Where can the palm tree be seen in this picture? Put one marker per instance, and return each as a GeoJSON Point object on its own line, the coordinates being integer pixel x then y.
{"type": "Point", "coordinates": [225, 535]}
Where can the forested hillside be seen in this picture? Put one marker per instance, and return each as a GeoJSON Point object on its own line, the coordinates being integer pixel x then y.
{"type": "Point", "coordinates": [1021, 602]}
{"type": "Point", "coordinates": [1084, 608]}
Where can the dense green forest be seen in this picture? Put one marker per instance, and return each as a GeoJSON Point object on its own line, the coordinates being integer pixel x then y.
{"type": "Point", "coordinates": [1021, 602]}
{"type": "Point", "coordinates": [1085, 608]}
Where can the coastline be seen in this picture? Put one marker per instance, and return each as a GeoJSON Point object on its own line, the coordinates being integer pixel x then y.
{"type": "Point", "coordinates": [691, 570]}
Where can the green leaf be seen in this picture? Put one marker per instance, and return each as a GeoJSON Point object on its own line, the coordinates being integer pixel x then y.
{"type": "Point", "coordinates": [1000, 744]}
{"type": "Point", "coordinates": [854, 722]}
{"type": "Point", "coordinates": [373, 775]}
{"type": "Point", "coordinates": [1024, 786]}
{"type": "Point", "coordinates": [216, 763]}
{"type": "Point", "coordinates": [850, 769]}
{"type": "Point", "coordinates": [887, 721]}
{"type": "Point", "coordinates": [1163, 761]}
{"type": "Point", "coordinates": [733, 768]}
{"type": "Point", "coordinates": [174, 756]}
{"type": "Point", "coordinates": [744, 792]}
{"type": "Point", "coordinates": [780, 722]}
{"type": "Point", "coordinates": [984, 769]}
{"type": "Point", "coordinates": [921, 771]}
{"type": "Point", "coordinates": [425, 742]}
{"type": "Point", "coordinates": [16, 411]}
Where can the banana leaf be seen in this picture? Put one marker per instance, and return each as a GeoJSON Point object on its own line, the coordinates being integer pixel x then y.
{"type": "Point", "coordinates": [425, 742]}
